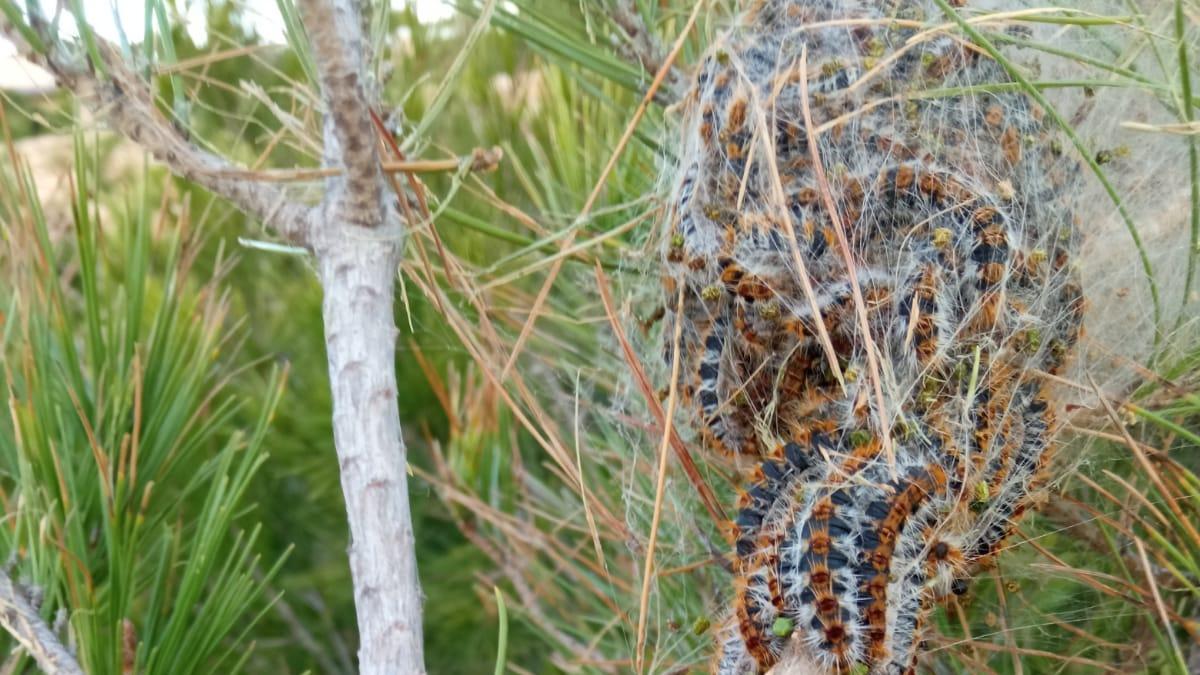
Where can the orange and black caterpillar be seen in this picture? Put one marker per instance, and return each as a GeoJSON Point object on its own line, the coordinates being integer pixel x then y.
{"type": "Point", "coordinates": [957, 213]}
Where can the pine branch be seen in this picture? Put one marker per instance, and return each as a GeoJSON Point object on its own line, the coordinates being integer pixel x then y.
{"type": "Point", "coordinates": [22, 621]}
{"type": "Point", "coordinates": [643, 46]}
{"type": "Point", "coordinates": [335, 33]}
{"type": "Point", "coordinates": [126, 102]}
{"type": "Point", "coordinates": [357, 261]}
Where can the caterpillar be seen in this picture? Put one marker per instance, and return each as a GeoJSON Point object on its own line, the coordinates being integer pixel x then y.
{"type": "Point", "coordinates": [949, 251]}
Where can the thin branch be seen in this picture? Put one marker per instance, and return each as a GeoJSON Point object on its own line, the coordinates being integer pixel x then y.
{"type": "Point", "coordinates": [479, 161]}
{"type": "Point", "coordinates": [643, 46]}
{"type": "Point", "coordinates": [681, 450]}
{"type": "Point", "coordinates": [335, 32]}
{"type": "Point", "coordinates": [659, 489]}
{"type": "Point", "coordinates": [20, 619]}
{"type": "Point", "coordinates": [126, 101]}
{"type": "Point", "coordinates": [302, 636]}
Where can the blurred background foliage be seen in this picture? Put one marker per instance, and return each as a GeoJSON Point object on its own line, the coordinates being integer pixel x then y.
{"type": "Point", "coordinates": [532, 448]}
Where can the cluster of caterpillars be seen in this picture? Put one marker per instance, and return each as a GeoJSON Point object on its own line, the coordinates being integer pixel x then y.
{"type": "Point", "coordinates": [956, 237]}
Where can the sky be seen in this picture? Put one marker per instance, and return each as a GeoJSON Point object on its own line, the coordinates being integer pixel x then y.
{"type": "Point", "coordinates": [104, 15]}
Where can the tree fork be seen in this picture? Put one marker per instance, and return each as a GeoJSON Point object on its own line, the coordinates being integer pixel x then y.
{"type": "Point", "coordinates": [356, 237]}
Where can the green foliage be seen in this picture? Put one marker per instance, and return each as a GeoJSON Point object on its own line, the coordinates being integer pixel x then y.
{"type": "Point", "coordinates": [121, 473]}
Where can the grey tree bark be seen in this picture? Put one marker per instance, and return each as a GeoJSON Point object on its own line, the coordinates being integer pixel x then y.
{"type": "Point", "coordinates": [23, 622]}
{"type": "Point", "coordinates": [357, 271]}
{"type": "Point", "coordinates": [358, 245]}
{"type": "Point", "coordinates": [356, 236]}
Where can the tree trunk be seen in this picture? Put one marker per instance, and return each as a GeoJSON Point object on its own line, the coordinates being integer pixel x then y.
{"type": "Point", "coordinates": [357, 267]}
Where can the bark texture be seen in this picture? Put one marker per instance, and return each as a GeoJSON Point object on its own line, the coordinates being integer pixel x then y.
{"type": "Point", "coordinates": [357, 269]}
{"type": "Point", "coordinates": [358, 246]}
{"type": "Point", "coordinates": [335, 32]}
{"type": "Point", "coordinates": [125, 101]}
{"type": "Point", "coordinates": [23, 622]}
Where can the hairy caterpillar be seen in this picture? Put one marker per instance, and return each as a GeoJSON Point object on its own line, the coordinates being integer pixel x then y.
{"type": "Point", "coordinates": [955, 205]}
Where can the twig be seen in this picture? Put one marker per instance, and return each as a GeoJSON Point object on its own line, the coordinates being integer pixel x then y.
{"type": "Point", "coordinates": [1181, 129]}
{"type": "Point", "coordinates": [583, 496]}
{"type": "Point", "coordinates": [530, 603]}
{"type": "Point", "coordinates": [127, 103]}
{"type": "Point", "coordinates": [205, 60]}
{"type": "Point", "coordinates": [780, 201]}
{"type": "Point", "coordinates": [659, 488]}
{"type": "Point", "coordinates": [1064, 658]}
{"type": "Point", "coordinates": [681, 451]}
{"type": "Point", "coordinates": [481, 160]}
{"type": "Point", "coordinates": [643, 46]}
{"type": "Point", "coordinates": [1158, 601]}
{"type": "Point", "coordinates": [300, 633]}
{"type": "Point", "coordinates": [1002, 616]}
{"type": "Point", "coordinates": [23, 622]}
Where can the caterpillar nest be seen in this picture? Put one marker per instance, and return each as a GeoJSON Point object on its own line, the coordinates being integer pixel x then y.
{"type": "Point", "coordinates": [878, 341]}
